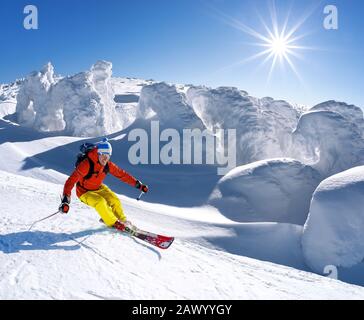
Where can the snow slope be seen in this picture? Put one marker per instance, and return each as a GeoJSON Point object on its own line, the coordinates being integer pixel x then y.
{"type": "Point", "coordinates": [214, 256]}
{"type": "Point", "coordinates": [209, 247]}
{"type": "Point", "coordinates": [74, 257]}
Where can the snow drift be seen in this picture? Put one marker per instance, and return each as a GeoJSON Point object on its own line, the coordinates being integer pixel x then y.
{"type": "Point", "coordinates": [333, 233]}
{"type": "Point", "coordinates": [276, 190]}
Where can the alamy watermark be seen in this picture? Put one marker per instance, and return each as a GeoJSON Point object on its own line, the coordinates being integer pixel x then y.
{"type": "Point", "coordinates": [186, 147]}
{"type": "Point", "coordinates": [31, 19]}
{"type": "Point", "coordinates": [331, 21]}
{"type": "Point", "coordinates": [331, 271]}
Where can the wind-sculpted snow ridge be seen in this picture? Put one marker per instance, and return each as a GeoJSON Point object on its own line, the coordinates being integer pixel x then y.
{"type": "Point", "coordinates": [350, 112]}
{"type": "Point", "coordinates": [168, 105]}
{"type": "Point", "coordinates": [79, 105]}
{"type": "Point", "coordinates": [328, 141]}
{"type": "Point", "coordinates": [328, 137]}
{"type": "Point", "coordinates": [263, 126]}
{"type": "Point", "coordinates": [333, 234]}
{"type": "Point", "coordinates": [276, 190]}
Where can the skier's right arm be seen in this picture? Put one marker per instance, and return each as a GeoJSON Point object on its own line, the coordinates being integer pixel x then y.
{"type": "Point", "coordinates": [80, 171]}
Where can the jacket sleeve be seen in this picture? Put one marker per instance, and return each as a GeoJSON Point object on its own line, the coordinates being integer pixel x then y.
{"type": "Point", "coordinates": [121, 174]}
{"type": "Point", "coordinates": [81, 171]}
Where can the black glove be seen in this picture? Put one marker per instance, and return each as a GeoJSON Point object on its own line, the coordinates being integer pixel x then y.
{"type": "Point", "coordinates": [141, 186]}
{"type": "Point", "coordinates": [65, 205]}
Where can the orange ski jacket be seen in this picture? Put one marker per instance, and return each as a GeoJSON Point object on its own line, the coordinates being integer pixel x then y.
{"type": "Point", "coordinates": [98, 176]}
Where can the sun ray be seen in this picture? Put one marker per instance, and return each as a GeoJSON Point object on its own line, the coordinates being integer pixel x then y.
{"type": "Point", "coordinates": [236, 24]}
{"type": "Point", "coordinates": [296, 54]}
{"type": "Point", "coordinates": [272, 68]}
{"type": "Point", "coordinates": [303, 19]}
{"type": "Point", "coordinates": [290, 63]}
{"type": "Point", "coordinates": [267, 58]}
{"type": "Point", "coordinates": [271, 35]}
{"type": "Point", "coordinates": [304, 48]}
{"type": "Point", "coordinates": [251, 58]}
{"type": "Point", "coordinates": [285, 24]}
{"type": "Point", "coordinates": [273, 15]}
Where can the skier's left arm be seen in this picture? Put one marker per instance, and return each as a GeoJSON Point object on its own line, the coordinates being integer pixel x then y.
{"type": "Point", "coordinates": [126, 177]}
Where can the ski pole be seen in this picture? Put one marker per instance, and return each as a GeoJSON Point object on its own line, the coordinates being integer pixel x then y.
{"type": "Point", "coordinates": [53, 214]}
{"type": "Point", "coordinates": [140, 196]}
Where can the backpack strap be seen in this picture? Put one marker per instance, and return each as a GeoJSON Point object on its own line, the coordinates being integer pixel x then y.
{"type": "Point", "coordinates": [90, 170]}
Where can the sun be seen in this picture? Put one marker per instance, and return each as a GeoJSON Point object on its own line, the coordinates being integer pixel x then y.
{"type": "Point", "coordinates": [279, 46]}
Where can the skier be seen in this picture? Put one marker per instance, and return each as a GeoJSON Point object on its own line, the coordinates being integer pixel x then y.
{"type": "Point", "coordinates": [93, 192]}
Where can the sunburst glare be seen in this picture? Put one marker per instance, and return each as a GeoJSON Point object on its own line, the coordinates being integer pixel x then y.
{"type": "Point", "coordinates": [279, 43]}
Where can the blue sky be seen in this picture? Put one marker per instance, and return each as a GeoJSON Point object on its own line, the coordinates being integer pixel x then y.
{"type": "Point", "coordinates": [190, 41]}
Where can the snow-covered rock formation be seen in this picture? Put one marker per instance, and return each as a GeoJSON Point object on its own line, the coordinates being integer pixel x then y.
{"type": "Point", "coordinates": [8, 94]}
{"type": "Point", "coordinates": [350, 112]}
{"type": "Point", "coordinates": [127, 94]}
{"type": "Point", "coordinates": [328, 141]}
{"type": "Point", "coordinates": [87, 100]}
{"type": "Point", "coordinates": [263, 126]}
{"type": "Point", "coordinates": [276, 190]}
{"type": "Point", "coordinates": [169, 106]}
{"type": "Point", "coordinates": [33, 102]}
{"type": "Point", "coordinates": [81, 105]}
{"type": "Point", "coordinates": [333, 233]}
{"type": "Point", "coordinates": [9, 91]}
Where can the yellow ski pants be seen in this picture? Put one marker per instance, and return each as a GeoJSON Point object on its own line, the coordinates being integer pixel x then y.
{"type": "Point", "coordinates": [106, 203]}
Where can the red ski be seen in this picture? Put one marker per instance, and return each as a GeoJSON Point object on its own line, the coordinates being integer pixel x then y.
{"type": "Point", "coordinates": [157, 240]}
{"type": "Point", "coordinates": [160, 241]}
